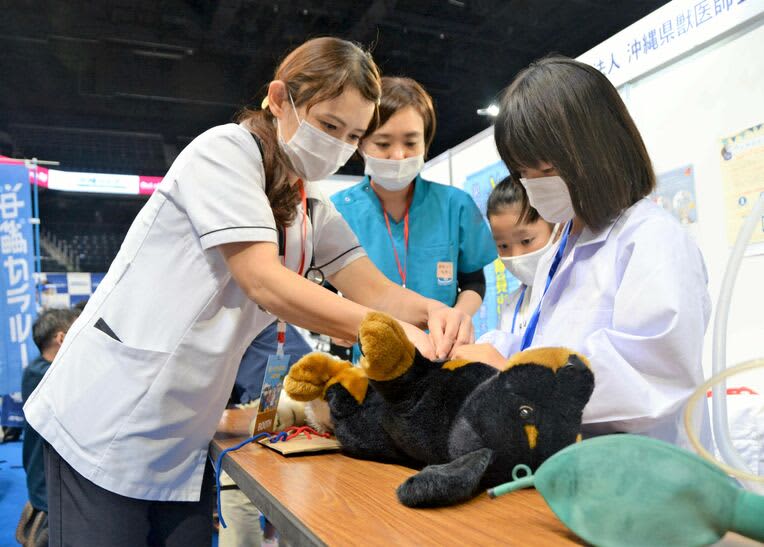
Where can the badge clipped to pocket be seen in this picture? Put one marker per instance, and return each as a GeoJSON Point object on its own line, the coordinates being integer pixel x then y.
{"type": "Point", "coordinates": [445, 273]}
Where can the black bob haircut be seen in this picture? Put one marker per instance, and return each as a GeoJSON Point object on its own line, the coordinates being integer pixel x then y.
{"type": "Point", "coordinates": [568, 114]}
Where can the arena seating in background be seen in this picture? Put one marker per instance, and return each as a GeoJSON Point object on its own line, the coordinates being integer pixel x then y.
{"type": "Point", "coordinates": [91, 248]}
{"type": "Point", "coordinates": [50, 264]}
{"type": "Point", "coordinates": [92, 150]}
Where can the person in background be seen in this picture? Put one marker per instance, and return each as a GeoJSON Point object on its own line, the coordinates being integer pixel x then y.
{"type": "Point", "coordinates": [427, 237]}
{"type": "Point", "coordinates": [48, 333]}
{"type": "Point", "coordinates": [521, 240]}
{"type": "Point", "coordinates": [626, 285]}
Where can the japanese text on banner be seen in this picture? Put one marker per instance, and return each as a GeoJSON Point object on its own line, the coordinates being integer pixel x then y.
{"type": "Point", "coordinates": [17, 285]}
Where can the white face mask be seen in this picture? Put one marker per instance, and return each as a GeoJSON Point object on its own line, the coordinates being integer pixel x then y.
{"type": "Point", "coordinates": [550, 197]}
{"type": "Point", "coordinates": [314, 154]}
{"type": "Point", "coordinates": [393, 175]}
{"type": "Point", "coordinates": [524, 267]}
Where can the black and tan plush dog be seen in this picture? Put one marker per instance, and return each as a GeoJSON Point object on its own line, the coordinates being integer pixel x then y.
{"type": "Point", "coordinates": [467, 423]}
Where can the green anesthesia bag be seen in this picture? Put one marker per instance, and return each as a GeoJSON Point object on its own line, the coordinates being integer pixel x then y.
{"type": "Point", "coordinates": [624, 490]}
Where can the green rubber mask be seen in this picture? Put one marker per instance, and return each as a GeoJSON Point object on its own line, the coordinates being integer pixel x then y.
{"type": "Point", "coordinates": [624, 490]}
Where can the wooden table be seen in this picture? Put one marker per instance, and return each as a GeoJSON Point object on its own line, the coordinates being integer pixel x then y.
{"type": "Point", "coordinates": [335, 500]}
{"type": "Point", "coordinates": [330, 499]}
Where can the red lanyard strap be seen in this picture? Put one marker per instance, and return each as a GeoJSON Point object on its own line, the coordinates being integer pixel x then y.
{"type": "Point", "coordinates": [280, 337]}
{"type": "Point", "coordinates": [402, 270]}
{"type": "Point", "coordinates": [304, 201]}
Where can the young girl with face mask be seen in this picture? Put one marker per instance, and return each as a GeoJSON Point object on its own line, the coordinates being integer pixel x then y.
{"type": "Point", "coordinates": [220, 250]}
{"type": "Point", "coordinates": [521, 239]}
{"type": "Point", "coordinates": [625, 285]}
{"type": "Point", "coordinates": [425, 236]}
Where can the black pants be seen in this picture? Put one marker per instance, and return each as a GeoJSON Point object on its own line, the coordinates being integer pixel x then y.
{"type": "Point", "coordinates": [81, 514]}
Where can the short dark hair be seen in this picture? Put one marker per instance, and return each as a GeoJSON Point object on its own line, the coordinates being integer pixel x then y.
{"type": "Point", "coordinates": [510, 192]}
{"type": "Point", "coordinates": [49, 323]}
{"type": "Point", "coordinates": [568, 114]}
{"type": "Point", "coordinates": [399, 93]}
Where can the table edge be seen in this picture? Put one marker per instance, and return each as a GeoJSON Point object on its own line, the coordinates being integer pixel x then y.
{"type": "Point", "coordinates": [289, 526]}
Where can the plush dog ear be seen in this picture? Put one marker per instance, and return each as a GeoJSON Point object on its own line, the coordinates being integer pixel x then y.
{"type": "Point", "coordinates": [544, 371]}
{"type": "Point", "coordinates": [446, 484]}
{"type": "Point", "coordinates": [575, 380]}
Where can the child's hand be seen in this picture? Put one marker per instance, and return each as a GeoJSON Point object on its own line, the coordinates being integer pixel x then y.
{"type": "Point", "coordinates": [480, 353]}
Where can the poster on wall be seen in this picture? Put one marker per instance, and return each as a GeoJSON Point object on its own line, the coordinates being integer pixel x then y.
{"type": "Point", "coordinates": [499, 283]}
{"type": "Point", "coordinates": [742, 167]}
{"type": "Point", "coordinates": [675, 192]}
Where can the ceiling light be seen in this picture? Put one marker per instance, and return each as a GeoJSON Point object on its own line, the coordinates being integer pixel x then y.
{"type": "Point", "coordinates": [491, 110]}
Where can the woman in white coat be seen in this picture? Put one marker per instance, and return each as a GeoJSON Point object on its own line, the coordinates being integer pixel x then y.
{"type": "Point", "coordinates": [625, 285]}
{"type": "Point", "coordinates": [220, 249]}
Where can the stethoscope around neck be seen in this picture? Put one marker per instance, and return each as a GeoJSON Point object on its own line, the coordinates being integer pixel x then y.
{"type": "Point", "coordinates": [313, 273]}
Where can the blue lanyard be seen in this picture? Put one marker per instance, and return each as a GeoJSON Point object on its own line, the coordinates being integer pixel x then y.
{"type": "Point", "coordinates": [517, 307]}
{"type": "Point", "coordinates": [531, 328]}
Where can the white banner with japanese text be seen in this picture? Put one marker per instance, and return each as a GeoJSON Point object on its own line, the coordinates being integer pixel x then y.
{"type": "Point", "coordinates": [667, 33]}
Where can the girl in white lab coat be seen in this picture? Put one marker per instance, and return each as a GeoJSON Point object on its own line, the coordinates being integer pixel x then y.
{"type": "Point", "coordinates": [522, 237]}
{"type": "Point", "coordinates": [222, 248]}
{"type": "Point", "coordinates": [626, 285]}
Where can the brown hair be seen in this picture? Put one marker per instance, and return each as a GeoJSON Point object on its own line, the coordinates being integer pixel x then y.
{"type": "Point", "coordinates": [568, 114]}
{"type": "Point", "coordinates": [318, 70]}
{"type": "Point", "coordinates": [399, 93]}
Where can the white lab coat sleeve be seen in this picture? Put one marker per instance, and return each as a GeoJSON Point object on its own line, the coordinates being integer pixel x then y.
{"type": "Point", "coordinates": [647, 361]}
{"type": "Point", "coordinates": [336, 244]}
{"type": "Point", "coordinates": [503, 339]}
{"type": "Point", "coordinates": [504, 342]}
{"type": "Point", "coordinates": [221, 186]}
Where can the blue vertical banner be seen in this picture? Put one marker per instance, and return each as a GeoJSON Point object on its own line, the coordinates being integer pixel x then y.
{"type": "Point", "coordinates": [499, 283]}
{"type": "Point", "coordinates": [18, 308]}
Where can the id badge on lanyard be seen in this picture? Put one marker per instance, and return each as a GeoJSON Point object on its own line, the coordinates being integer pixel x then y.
{"type": "Point", "coordinates": [278, 364]}
{"type": "Point", "coordinates": [273, 381]}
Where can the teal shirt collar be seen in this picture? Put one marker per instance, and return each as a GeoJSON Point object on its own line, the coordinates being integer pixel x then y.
{"type": "Point", "coordinates": [421, 189]}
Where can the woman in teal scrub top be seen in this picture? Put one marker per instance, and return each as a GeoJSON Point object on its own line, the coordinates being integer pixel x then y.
{"type": "Point", "coordinates": [428, 237]}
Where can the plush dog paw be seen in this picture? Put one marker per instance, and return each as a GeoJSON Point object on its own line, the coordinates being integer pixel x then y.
{"type": "Point", "coordinates": [308, 377]}
{"type": "Point", "coordinates": [387, 352]}
{"type": "Point", "coordinates": [446, 484]}
{"type": "Point", "coordinates": [311, 376]}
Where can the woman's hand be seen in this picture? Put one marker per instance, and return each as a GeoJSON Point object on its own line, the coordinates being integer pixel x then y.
{"type": "Point", "coordinates": [480, 353]}
{"type": "Point", "coordinates": [420, 340]}
{"type": "Point", "coordinates": [449, 329]}
{"type": "Point", "coordinates": [342, 342]}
